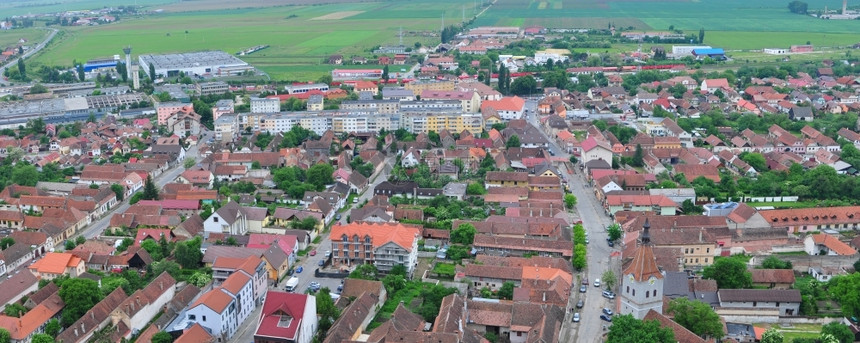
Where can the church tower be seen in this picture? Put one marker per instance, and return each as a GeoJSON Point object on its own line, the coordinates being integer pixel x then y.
{"type": "Point", "coordinates": [641, 282]}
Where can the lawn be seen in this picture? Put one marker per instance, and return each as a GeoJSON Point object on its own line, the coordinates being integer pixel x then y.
{"type": "Point", "coordinates": [785, 204]}
{"type": "Point", "coordinates": [10, 8]}
{"type": "Point", "coordinates": [299, 40]}
{"type": "Point", "coordinates": [758, 40]}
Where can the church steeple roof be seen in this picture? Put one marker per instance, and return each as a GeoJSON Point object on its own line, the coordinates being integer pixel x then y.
{"type": "Point", "coordinates": [644, 264]}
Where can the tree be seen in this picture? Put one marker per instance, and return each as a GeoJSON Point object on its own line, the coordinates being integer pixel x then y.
{"type": "Point", "coordinates": [798, 7]}
{"type": "Point", "coordinates": [326, 310]}
{"type": "Point", "coordinates": [5, 336]}
{"type": "Point", "coordinates": [15, 310]}
{"type": "Point", "coordinates": [690, 208]}
{"type": "Point", "coordinates": [857, 265]}
{"type": "Point", "coordinates": [365, 272]}
{"type": "Point", "coordinates": [626, 329]}
{"type": "Point", "coordinates": [81, 74]}
{"type": "Point", "coordinates": [773, 262]}
{"type": "Point", "coordinates": [608, 278]}
{"type": "Point", "coordinates": [150, 192]}
{"type": "Point", "coordinates": [385, 73]}
{"type": "Point", "coordinates": [151, 246]}
{"type": "Point", "coordinates": [170, 267]}
{"type": "Point", "coordinates": [701, 35]}
{"type": "Point", "coordinates": [320, 175]}
{"type": "Point", "coordinates": [190, 162]}
{"type": "Point", "coordinates": [839, 331]}
{"type": "Point", "coordinates": [579, 256]}
{"type": "Point", "coordinates": [80, 295]}
{"type": "Point", "coordinates": [38, 89]}
{"type": "Point", "coordinates": [697, 317]}
{"type": "Point", "coordinates": [6, 242]}
{"type": "Point", "coordinates": [42, 338]}
{"type": "Point", "coordinates": [729, 272]}
{"type": "Point", "coordinates": [162, 337]}
{"type": "Point", "coordinates": [152, 71]}
{"type": "Point", "coordinates": [524, 85]}
{"type": "Point", "coordinates": [119, 190]}
{"type": "Point", "coordinates": [21, 68]}
{"type": "Point", "coordinates": [457, 252]}
{"type": "Point", "coordinates": [614, 232]}
{"type": "Point", "coordinates": [755, 160]}
{"type": "Point", "coordinates": [188, 253]}
{"type": "Point", "coordinates": [475, 188]}
{"type": "Point", "coordinates": [771, 336]}
{"type": "Point", "coordinates": [464, 234]}
{"type": "Point", "coordinates": [199, 279]}
{"type": "Point", "coordinates": [513, 142]}
{"type": "Point", "coordinates": [25, 176]}
{"type": "Point", "coordinates": [638, 157]}
{"type": "Point", "coordinates": [432, 300]}
{"type": "Point", "coordinates": [506, 291]}
{"type": "Point", "coordinates": [569, 201]}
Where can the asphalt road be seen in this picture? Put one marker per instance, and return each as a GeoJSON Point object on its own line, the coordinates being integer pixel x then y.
{"type": "Point", "coordinates": [97, 227]}
{"type": "Point", "coordinates": [29, 53]}
{"type": "Point", "coordinates": [595, 221]}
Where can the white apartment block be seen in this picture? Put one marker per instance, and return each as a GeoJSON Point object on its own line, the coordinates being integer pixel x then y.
{"type": "Point", "coordinates": [265, 105]}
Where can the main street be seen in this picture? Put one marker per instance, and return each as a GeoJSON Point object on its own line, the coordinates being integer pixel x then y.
{"type": "Point", "coordinates": [595, 221]}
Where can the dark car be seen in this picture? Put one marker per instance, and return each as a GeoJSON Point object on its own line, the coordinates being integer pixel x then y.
{"type": "Point", "coordinates": [610, 243]}
{"type": "Point", "coordinates": [580, 303]}
{"type": "Point", "coordinates": [337, 216]}
{"type": "Point", "coordinates": [606, 318]}
{"type": "Point", "coordinates": [583, 289]}
{"type": "Point", "coordinates": [322, 263]}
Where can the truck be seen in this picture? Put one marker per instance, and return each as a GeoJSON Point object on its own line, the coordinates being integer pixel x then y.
{"type": "Point", "coordinates": [292, 283]}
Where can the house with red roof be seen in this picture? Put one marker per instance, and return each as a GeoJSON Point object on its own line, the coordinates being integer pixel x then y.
{"type": "Point", "coordinates": [54, 265]}
{"type": "Point", "coordinates": [658, 204]}
{"type": "Point", "coordinates": [287, 317]}
{"type": "Point", "coordinates": [712, 85]}
{"type": "Point", "coordinates": [830, 245]}
{"type": "Point", "coordinates": [199, 178]}
{"type": "Point", "coordinates": [385, 244]}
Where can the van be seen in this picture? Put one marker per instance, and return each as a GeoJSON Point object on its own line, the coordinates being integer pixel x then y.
{"type": "Point", "coordinates": [292, 283]}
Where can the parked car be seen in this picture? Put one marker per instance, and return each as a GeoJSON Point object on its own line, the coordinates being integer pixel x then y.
{"type": "Point", "coordinates": [322, 263]}
{"type": "Point", "coordinates": [596, 282]}
{"type": "Point", "coordinates": [337, 216]}
{"type": "Point", "coordinates": [299, 270]}
{"type": "Point", "coordinates": [585, 281]}
{"type": "Point", "coordinates": [313, 252]}
{"type": "Point", "coordinates": [580, 303]}
{"type": "Point", "coordinates": [327, 253]}
{"type": "Point", "coordinates": [606, 318]}
{"type": "Point", "coordinates": [607, 311]}
{"type": "Point", "coordinates": [583, 289]}
{"type": "Point", "coordinates": [576, 317]}
{"type": "Point", "coordinates": [339, 288]}
{"type": "Point", "coordinates": [610, 243]}
{"type": "Point", "coordinates": [608, 294]}
{"type": "Point", "coordinates": [315, 286]}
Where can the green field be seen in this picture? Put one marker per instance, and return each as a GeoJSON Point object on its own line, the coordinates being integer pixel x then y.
{"type": "Point", "coordinates": [23, 7]}
{"type": "Point", "coordinates": [733, 24]}
{"type": "Point", "coordinates": [299, 43]}
{"type": "Point", "coordinates": [32, 35]}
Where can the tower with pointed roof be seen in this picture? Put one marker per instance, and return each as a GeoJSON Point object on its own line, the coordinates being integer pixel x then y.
{"type": "Point", "coordinates": [642, 282]}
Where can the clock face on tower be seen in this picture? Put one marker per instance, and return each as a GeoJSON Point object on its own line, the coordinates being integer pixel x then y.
{"type": "Point", "coordinates": [651, 281]}
{"type": "Point", "coordinates": [631, 278]}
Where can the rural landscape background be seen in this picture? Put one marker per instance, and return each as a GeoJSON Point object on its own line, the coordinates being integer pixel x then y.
{"type": "Point", "coordinates": [303, 33]}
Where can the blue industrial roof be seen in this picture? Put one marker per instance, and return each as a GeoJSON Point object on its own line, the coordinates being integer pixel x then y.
{"type": "Point", "coordinates": [716, 51]}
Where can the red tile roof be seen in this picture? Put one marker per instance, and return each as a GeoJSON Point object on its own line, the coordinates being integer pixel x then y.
{"type": "Point", "coordinates": [644, 265]}
{"type": "Point", "coordinates": [278, 306]}
{"type": "Point", "coordinates": [833, 244]}
{"type": "Point", "coordinates": [511, 103]}
{"type": "Point", "coordinates": [380, 233]}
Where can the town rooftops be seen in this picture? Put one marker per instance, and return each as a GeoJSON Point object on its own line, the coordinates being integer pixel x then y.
{"type": "Point", "coordinates": [281, 315]}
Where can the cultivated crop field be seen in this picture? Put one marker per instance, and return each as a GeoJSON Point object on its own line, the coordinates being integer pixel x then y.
{"type": "Point", "coordinates": [32, 35]}
{"type": "Point", "coordinates": [298, 36]}
{"type": "Point", "coordinates": [740, 22]}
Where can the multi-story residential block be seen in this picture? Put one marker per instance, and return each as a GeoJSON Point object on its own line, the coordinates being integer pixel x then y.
{"type": "Point", "coordinates": [383, 244]}
{"type": "Point", "coordinates": [226, 127]}
{"type": "Point", "coordinates": [265, 105]}
{"type": "Point", "coordinates": [470, 101]}
{"type": "Point", "coordinates": [166, 109]}
{"type": "Point", "coordinates": [216, 311]}
{"type": "Point", "coordinates": [424, 122]}
{"type": "Point", "coordinates": [420, 86]}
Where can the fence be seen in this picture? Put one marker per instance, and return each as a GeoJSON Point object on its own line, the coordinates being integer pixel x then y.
{"type": "Point", "coordinates": [769, 199]}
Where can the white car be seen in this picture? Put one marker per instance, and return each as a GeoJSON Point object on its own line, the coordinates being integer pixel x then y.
{"type": "Point", "coordinates": [596, 282]}
{"type": "Point", "coordinates": [576, 317]}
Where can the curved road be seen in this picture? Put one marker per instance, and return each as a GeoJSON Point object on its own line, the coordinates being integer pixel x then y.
{"type": "Point", "coordinates": [29, 53]}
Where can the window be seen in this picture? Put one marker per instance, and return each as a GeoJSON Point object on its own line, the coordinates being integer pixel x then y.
{"type": "Point", "coordinates": [708, 250]}
{"type": "Point", "coordinates": [192, 317]}
{"type": "Point", "coordinates": [706, 260]}
{"type": "Point", "coordinates": [634, 292]}
{"type": "Point", "coordinates": [215, 219]}
{"type": "Point", "coordinates": [655, 292]}
{"type": "Point", "coordinates": [628, 289]}
{"type": "Point", "coordinates": [204, 318]}
{"type": "Point", "coordinates": [755, 303]}
{"type": "Point", "coordinates": [647, 294]}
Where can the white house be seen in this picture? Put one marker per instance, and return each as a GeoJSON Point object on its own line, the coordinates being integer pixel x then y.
{"type": "Point", "coordinates": [508, 108]}
{"type": "Point", "coordinates": [830, 245]}
{"type": "Point", "coordinates": [229, 218]}
{"type": "Point", "coordinates": [410, 159]}
{"type": "Point", "coordinates": [215, 311]}
{"type": "Point", "coordinates": [594, 149]}
{"type": "Point", "coordinates": [241, 288]}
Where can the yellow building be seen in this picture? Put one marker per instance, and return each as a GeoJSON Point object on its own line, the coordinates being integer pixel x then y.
{"type": "Point", "coordinates": [457, 122]}
{"type": "Point", "coordinates": [419, 86]}
{"type": "Point", "coordinates": [506, 179]}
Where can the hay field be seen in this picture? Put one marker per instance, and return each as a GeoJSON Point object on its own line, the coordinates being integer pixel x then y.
{"type": "Point", "coordinates": [338, 15]}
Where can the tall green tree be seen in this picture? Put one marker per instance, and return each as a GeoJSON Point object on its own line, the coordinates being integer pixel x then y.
{"type": "Point", "coordinates": [80, 295]}
{"type": "Point", "coordinates": [152, 75]}
{"type": "Point", "coordinates": [839, 331]}
{"type": "Point", "coordinates": [513, 142]}
{"type": "Point", "coordinates": [772, 336]}
{"type": "Point", "coordinates": [569, 201]}
{"type": "Point", "coordinates": [524, 85]}
{"type": "Point", "coordinates": [150, 191]}
{"type": "Point", "coordinates": [701, 35]}
{"type": "Point", "coordinates": [506, 291]}
{"type": "Point", "coordinates": [638, 159]}
{"type": "Point", "coordinates": [614, 231]}
{"type": "Point", "coordinates": [729, 272]}
{"type": "Point", "coordinates": [162, 337]}
{"type": "Point", "coordinates": [42, 338]}
{"type": "Point", "coordinates": [5, 336]}
{"type": "Point", "coordinates": [385, 76]}
{"type": "Point", "coordinates": [320, 175]}
{"type": "Point", "coordinates": [81, 74]}
{"type": "Point", "coordinates": [608, 278]}
{"type": "Point", "coordinates": [119, 190]}
{"type": "Point", "coordinates": [464, 234]}
{"type": "Point", "coordinates": [326, 311]}
{"type": "Point", "coordinates": [697, 317]}
{"type": "Point", "coordinates": [22, 69]}
{"type": "Point", "coordinates": [188, 253]}
{"type": "Point", "coordinates": [626, 329]}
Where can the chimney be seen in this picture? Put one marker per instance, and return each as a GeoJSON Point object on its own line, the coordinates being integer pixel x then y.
{"type": "Point", "coordinates": [700, 235]}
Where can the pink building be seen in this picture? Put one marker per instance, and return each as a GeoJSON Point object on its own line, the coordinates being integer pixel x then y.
{"type": "Point", "coordinates": [165, 109]}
